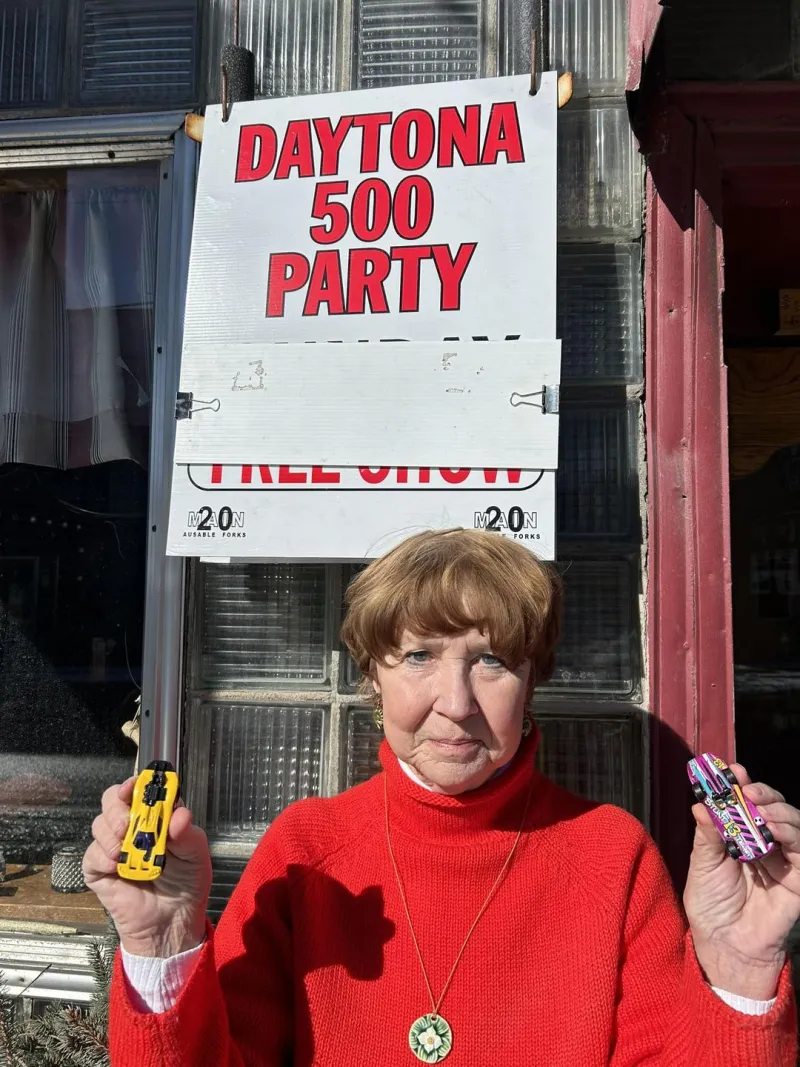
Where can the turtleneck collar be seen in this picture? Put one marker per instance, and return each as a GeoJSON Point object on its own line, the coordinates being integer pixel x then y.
{"type": "Point", "coordinates": [496, 805]}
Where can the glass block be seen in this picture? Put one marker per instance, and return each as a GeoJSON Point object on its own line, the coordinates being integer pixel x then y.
{"type": "Point", "coordinates": [362, 741]}
{"type": "Point", "coordinates": [31, 49]}
{"type": "Point", "coordinates": [401, 42]}
{"type": "Point", "coordinates": [225, 877]}
{"type": "Point", "coordinates": [143, 52]}
{"type": "Point", "coordinates": [596, 478]}
{"type": "Point", "coordinates": [294, 42]}
{"type": "Point", "coordinates": [599, 172]}
{"type": "Point", "coordinates": [597, 758]}
{"type": "Point", "coordinates": [261, 758]}
{"type": "Point", "coordinates": [262, 622]}
{"type": "Point", "coordinates": [590, 38]}
{"type": "Point", "coordinates": [599, 312]}
{"type": "Point", "coordinates": [596, 651]}
{"type": "Point", "coordinates": [517, 20]}
{"type": "Point", "coordinates": [350, 675]}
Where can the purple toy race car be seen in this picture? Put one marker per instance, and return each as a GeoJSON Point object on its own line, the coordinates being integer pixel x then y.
{"type": "Point", "coordinates": [738, 821]}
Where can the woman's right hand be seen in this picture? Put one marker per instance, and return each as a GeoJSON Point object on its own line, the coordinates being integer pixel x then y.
{"type": "Point", "coordinates": [158, 918]}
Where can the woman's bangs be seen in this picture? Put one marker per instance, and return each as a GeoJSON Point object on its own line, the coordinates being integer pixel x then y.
{"type": "Point", "coordinates": [464, 598]}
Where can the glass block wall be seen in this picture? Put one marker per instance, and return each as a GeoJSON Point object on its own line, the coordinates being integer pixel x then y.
{"type": "Point", "coordinates": [77, 55]}
{"type": "Point", "coordinates": [272, 710]}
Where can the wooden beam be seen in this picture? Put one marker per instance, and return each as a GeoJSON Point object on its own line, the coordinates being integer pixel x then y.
{"type": "Point", "coordinates": [194, 123]}
{"type": "Point", "coordinates": [194, 126]}
{"type": "Point", "coordinates": [565, 85]}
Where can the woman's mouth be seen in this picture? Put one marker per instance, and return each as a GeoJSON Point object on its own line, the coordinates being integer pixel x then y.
{"type": "Point", "coordinates": [462, 745]}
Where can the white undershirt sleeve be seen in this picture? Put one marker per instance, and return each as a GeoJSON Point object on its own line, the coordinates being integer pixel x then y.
{"type": "Point", "coordinates": [155, 984]}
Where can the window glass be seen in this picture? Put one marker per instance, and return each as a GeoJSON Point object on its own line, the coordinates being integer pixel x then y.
{"type": "Point", "coordinates": [77, 262]}
{"type": "Point", "coordinates": [67, 54]}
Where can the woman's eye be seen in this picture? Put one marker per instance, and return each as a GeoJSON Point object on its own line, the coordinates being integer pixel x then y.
{"type": "Point", "coordinates": [418, 656]}
{"type": "Point", "coordinates": [488, 659]}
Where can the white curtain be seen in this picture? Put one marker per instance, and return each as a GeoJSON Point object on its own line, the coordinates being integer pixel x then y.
{"type": "Point", "coordinates": [77, 273]}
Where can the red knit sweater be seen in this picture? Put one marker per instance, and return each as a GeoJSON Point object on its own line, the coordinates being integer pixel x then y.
{"type": "Point", "coordinates": [580, 960]}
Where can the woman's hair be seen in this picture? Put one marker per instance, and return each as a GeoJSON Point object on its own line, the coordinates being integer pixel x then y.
{"type": "Point", "coordinates": [449, 581]}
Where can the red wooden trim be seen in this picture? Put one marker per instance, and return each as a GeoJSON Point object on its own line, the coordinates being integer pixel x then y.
{"type": "Point", "coordinates": [643, 19]}
{"type": "Point", "coordinates": [689, 589]}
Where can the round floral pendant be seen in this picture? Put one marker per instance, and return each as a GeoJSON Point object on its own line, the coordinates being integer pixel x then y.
{"type": "Point", "coordinates": [430, 1038]}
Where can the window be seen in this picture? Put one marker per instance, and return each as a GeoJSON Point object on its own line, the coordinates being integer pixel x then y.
{"type": "Point", "coordinates": [270, 695]}
{"type": "Point", "coordinates": [102, 54]}
{"type": "Point", "coordinates": [77, 259]}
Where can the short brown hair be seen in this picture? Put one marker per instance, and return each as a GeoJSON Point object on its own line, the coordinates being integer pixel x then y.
{"type": "Point", "coordinates": [449, 581]}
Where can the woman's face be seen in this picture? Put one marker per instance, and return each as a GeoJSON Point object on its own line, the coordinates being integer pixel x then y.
{"type": "Point", "coordinates": [451, 709]}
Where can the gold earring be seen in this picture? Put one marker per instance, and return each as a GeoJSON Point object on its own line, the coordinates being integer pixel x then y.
{"type": "Point", "coordinates": [377, 714]}
{"type": "Point", "coordinates": [527, 725]}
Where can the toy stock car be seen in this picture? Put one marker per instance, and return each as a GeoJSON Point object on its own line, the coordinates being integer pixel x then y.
{"type": "Point", "coordinates": [737, 820]}
{"type": "Point", "coordinates": [144, 849]}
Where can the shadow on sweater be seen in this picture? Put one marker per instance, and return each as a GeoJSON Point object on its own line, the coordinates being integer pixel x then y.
{"type": "Point", "coordinates": [340, 930]}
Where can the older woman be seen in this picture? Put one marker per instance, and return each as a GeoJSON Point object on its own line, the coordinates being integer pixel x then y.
{"type": "Point", "coordinates": [458, 904]}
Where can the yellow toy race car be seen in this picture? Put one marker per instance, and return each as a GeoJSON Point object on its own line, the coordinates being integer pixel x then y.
{"type": "Point", "coordinates": [144, 849]}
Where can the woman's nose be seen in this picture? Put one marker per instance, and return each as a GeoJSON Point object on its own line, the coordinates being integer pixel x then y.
{"type": "Point", "coordinates": [455, 698]}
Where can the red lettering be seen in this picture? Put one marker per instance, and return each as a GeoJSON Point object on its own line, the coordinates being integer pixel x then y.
{"type": "Point", "coordinates": [490, 476]}
{"type": "Point", "coordinates": [365, 284]}
{"type": "Point", "coordinates": [216, 474]}
{"type": "Point", "coordinates": [454, 476]}
{"type": "Point", "coordinates": [288, 272]}
{"type": "Point", "coordinates": [410, 257]}
{"type": "Point", "coordinates": [402, 475]}
{"type": "Point", "coordinates": [319, 476]}
{"type": "Point", "coordinates": [374, 475]}
{"type": "Point", "coordinates": [503, 135]}
{"type": "Point", "coordinates": [330, 142]}
{"type": "Point", "coordinates": [286, 476]}
{"type": "Point", "coordinates": [413, 207]}
{"type": "Point", "coordinates": [424, 475]}
{"type": "Point", "coordinates": [256, 156]}
{"type": "Point", "coordinates": [451, 272]}
{"type": "Point", "coordinates": [264, 473]}
{"type": "Point", "coordinates": [459, 135]}
{"type": "Point", "coordinates": [371, 212]}
{"type": "Point", "coordinates": [416, 125]}
{"type": "Point", "coordinates": [371, 126]}
{"type": "Point", "coordinates": [296, 151]}
{"type": "Point", "coordinates": [326, 285]}
{"type": "Point", "coordinates": [334, 214]}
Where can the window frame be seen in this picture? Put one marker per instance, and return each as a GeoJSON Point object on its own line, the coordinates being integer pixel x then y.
{"type": "Point", "coordinates": [49, 965]}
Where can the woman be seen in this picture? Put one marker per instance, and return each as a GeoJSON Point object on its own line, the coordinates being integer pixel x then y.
{"type": "Point", "coordinates": [458, 905]}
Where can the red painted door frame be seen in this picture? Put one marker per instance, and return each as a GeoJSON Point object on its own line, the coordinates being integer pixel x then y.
{"type": "Point", "coordinates": [692, 135]}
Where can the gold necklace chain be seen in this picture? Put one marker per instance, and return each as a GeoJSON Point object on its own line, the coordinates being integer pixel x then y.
{"type": "Point", "coordinates": [436, 1004]}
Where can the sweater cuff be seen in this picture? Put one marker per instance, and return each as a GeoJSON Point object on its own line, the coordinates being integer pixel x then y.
{"type": "Point", "coordinates": [704, 1019]}
{"type": "Point", "coordinates": [154, 984]}
{"type": "Point", "coordinates": [138, 1037]}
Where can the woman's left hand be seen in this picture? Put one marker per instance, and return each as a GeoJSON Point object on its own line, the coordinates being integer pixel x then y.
{"type": "Point", "coordinates": [740, 914]}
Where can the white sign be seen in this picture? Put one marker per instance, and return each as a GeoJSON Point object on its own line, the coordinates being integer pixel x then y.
{"type": "Point", "coordinates": [456, 403]}
{"type": "Point", "coordinates": [313, 513]}
{"type": "Point", "coordinates": [415, 213]}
